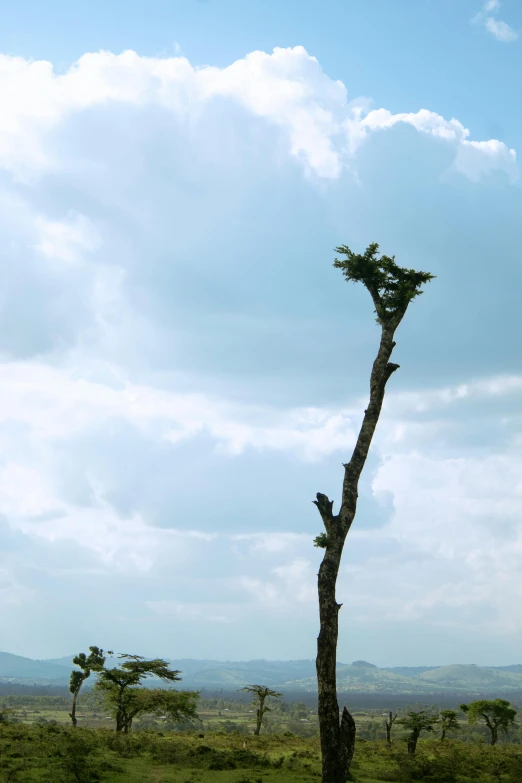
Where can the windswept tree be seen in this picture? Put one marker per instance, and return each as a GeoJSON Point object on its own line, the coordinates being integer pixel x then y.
{"type": "Point", "coordinates": [497, 714]}
{"type": "Point", "coordinates": [392, 288]}
{"type": "Point", "coordinates": [162, 702]}
{"type": "Point", "coordinates": [388, 722]}
{"type": "Point", "coordinates": [417, 722]}
{"type": "Point", "coordinates": [87, 663]}
{"type": "Point", "coordinates": [260, 694]}
{"type": "Point", "coordinates": [448, 722]}
{"type": "Point", "coordinates": [119, 685]}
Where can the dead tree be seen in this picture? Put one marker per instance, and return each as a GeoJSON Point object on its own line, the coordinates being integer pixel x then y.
{"type": "Point", "coordinates": [390, 720]}
{"type": "Point", "coordinates": [392, 288]}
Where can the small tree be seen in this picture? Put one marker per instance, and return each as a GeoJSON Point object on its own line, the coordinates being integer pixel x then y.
{"type": "Point", "coordinates": [392, 288]}
{"type": "Point", "coordinates": [416, 722]}
{"type": "Point", "coordinates": [448, 722]}
{"type": "Point", "coordinates": [119, 685]}
{"type": "Point", "coordinates": [176, 705]}
{"type": "Point", "coordinates": [87, 663]}
{"type": "Point", "coordinates": [388, 722]}
{"type": "Point", "coordinates": [497, 714]}
{"type": "Point", "coordinates": [260, 693]}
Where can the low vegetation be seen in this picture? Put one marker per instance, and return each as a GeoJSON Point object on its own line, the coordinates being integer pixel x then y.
{"type": "Point", "coordinates": [38, 744]}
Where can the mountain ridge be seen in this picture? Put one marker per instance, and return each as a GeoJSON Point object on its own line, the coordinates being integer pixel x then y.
{"type": "Point", "coordinates": [360, 676]}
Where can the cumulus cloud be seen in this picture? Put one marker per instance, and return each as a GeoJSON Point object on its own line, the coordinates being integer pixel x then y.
{"type": "Point", "coordinates": [183, 375]}
{"type": "Point", "coordinates": [286, 88]}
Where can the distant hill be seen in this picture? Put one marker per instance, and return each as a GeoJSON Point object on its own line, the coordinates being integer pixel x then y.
{"type": "Point", "coordinates": [409, 671]}
{"type": "Point", "coordinates": [15, 667]}
{"type": "Point", "coordinates": [360, 676]}
{"type": "Point", "coordinates": [472, 676]}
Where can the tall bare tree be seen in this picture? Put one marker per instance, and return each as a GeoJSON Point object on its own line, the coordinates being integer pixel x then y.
{"type": "Point", "coordinates": [390, 720]}
{"type": "Point", "coordinates": [260, 694]}
{"type": "Point", "coordinates": [392, 288]}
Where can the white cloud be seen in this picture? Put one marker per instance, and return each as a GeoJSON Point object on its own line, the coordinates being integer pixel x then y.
{"type": "Point", "coordinates": [473, 158]}
{"type": "Point", "coordinates": [55, 404]}
{"type": "Point", "coordinates": [113, 463]}
{"type": "Point", "coordinates": [500, 30]}
{"type": "Point", "coordinates": [287, 88]}
{"type": "Point", "coordinates": [201, 611]}
{"type": "Point", "coordinates": [291, 585]}
{"type": "Point", "coordinates": [490, 6]}
{"type": "Point", "coordinates": [64, 240]}
{"type": "Point", "coordinates": [463, 514]}
{"type": "Point", "coordinates": [441, 505]}
{"type": "Point", "coordinates": [273, 542]}
{"type": "Point", "coordinates": [11, 592]}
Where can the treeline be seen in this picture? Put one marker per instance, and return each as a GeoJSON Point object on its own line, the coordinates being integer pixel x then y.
{"type": "Point", "coordinates": [119, 689]}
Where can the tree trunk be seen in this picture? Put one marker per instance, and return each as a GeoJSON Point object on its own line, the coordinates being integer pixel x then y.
{"type": "Point", "coordinates": [259, 716]}
{"type": "Point", "coordinates": [389, 724]}
{"type": "Point", "coordinates": [338, 738]}
{"type": "Point", "coordinates": [72, 714]}
{"type": "Point", "coordinates": [494, 735]}
{"type": "Point", "coordinates": [412, 742]}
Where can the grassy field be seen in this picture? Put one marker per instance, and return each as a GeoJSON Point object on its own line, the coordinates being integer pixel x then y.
{"type": "Point", "coordinates": [33, 753]}
{"type": "Point", "coordinates": [38, 745]}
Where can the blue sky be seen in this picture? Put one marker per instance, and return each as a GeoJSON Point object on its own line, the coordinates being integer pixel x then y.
{"type": "Point", "coordinates": [183, 369]}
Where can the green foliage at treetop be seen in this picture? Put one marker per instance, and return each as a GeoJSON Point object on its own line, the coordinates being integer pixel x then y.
{"type": "Point", "coordinates": [392, 287]}
{"type": "Point", "coordinates": [497, 714]}
{"type": "Point", "coordinates": [118, 685]}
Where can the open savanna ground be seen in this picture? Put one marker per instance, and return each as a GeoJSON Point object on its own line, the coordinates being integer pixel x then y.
{"type": "Point", "coordinates": [56, 754]}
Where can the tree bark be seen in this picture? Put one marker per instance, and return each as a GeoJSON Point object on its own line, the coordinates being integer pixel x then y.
{"type": "Point", "coordinates": [259, 715]}
{"type": "Point", "coordinates": [389, 723]}
{"type": "Point", "coordinates": [72, 714]}
{"type": "Point", "coordinates": [338, 737]}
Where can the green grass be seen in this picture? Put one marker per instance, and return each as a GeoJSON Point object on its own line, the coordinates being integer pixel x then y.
{"type": "Point", "coordinates": [57, 754]}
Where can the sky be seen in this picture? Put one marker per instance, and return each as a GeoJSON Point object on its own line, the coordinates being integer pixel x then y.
{"type": "Point", "coordinates": [181, 366]}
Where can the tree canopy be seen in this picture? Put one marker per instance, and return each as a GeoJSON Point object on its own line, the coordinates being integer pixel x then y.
{"type": "Point", "coordinates": [448, 722]}
{"type": "Point", "coordinates": [119, 685]}
{"type": "Point", "coordinates": [417, 722]}
{"type": "Point", "coordinates": [391, 287]}
{"type": "Point", "coordinates": [497, 714]}
{"type": "Point", "coordinates": [87, 663]}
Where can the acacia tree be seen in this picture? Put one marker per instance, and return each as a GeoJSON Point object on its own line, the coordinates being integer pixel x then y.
{"type": "Point", "coordinates": [416, 722]}
{"type": "Point", "coordinates": [497, 714]}
{"type": "Point", "coordinates": [87, 663]}
{"type": "Point", "coordinates": [119, 685]}
{"type": "Point", "coordinates": [164, 702]}
{"type": "Point", "coordinates": [448, 722]}
{"type": "Point", "coordinates": [392, 288]}
{"type": "Point", "coordinates": [388, 722]}
{"type": "Point", "coordinates": [260, 693]}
